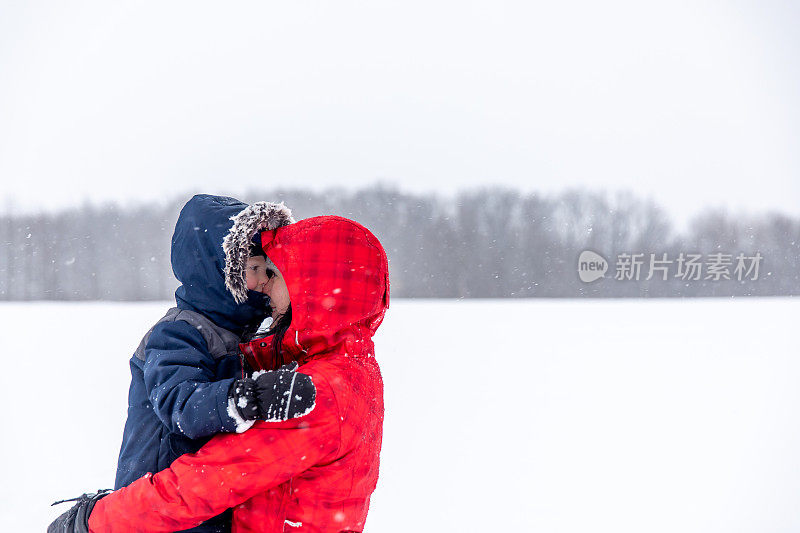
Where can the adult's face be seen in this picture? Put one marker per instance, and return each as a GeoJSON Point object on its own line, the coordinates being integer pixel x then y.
{"type": "Point", "coordinates": [277, 291]}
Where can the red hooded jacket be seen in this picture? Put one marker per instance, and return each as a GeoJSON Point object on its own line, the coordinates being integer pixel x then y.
{"type": "Point", "coordinates": [310, 474]}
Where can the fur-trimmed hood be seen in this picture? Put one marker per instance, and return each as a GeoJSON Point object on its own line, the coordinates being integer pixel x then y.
{"type": "Point", "coordinates": [200, 258]}
{"type": "Point", "coordinates": [260, 216]}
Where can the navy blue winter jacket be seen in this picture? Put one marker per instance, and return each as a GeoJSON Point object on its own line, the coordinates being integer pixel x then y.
{"type": "Point", "coordinates": [179, 392]}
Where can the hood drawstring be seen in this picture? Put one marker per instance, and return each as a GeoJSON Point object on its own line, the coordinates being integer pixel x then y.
{"type": "Point", "coordinates": [297, 342]}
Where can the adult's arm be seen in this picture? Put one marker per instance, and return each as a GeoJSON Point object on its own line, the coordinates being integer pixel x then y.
{"type": "Point", "coordinates": [229, 470]}
{"type": "Point", "coordinates": [179, 375]}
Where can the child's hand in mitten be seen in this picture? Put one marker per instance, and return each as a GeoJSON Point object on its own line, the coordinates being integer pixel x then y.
{"type": "Point", "coordinates": [274, 395]}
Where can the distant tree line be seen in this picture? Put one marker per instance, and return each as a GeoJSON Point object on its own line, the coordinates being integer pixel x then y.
{"type": "Point", "coordinates": [493, 243]}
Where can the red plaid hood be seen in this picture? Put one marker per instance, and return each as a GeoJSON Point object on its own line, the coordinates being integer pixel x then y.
{"type": "Point", "coordinates": [338, 279]}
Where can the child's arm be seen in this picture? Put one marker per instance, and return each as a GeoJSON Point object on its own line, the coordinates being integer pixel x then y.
{"type": "Point", "coordinates": [179, 377]}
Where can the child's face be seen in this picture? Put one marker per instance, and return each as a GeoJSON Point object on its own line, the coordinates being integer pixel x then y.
{"type": "Point", "coordinates": [256, 274]}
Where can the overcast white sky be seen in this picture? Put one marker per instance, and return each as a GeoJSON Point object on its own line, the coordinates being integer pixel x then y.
{"type": "Point", "coordinates": [690, 103]}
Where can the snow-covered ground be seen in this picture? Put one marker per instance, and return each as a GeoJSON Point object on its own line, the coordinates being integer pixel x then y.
{"type": "Point", "coordinates": [550, 416]}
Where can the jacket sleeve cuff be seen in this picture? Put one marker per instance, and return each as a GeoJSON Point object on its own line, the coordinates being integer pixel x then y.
{"type": "Point", "coordinates": [242, 425]}
{"type": "Point", "coordinates": [228, 423]}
